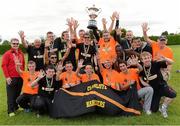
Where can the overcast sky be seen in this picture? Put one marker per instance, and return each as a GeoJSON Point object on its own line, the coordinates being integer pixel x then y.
{"type": "Point", "coordinates": [36, 17]}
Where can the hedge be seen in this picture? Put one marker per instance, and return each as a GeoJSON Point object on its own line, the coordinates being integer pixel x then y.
{"type": "Point", "coordinates": [5, 47]}
{"type": "Point", "coordinates": [172, 39]}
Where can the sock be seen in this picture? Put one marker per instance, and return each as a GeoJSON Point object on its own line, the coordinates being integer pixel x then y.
{"type": "Point", "coordinates": [164, 105]}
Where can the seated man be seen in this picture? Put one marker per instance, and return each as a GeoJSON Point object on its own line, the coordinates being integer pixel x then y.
{"type": "Point", "coordinates": [89, 74]}
{"type": "Point", "coordinates": [47, 86]}
{"type": "Point", "coordinates": [151, 74]}
{"type": "Point", "coordinates": [69, 77]}
{"type": "Point", "coordinates": [130, 76]}
{"type": "Point", "coordinates": [25, 100]}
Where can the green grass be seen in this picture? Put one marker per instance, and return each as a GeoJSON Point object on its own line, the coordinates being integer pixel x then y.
{"type": "Point", "coordinates": [154, 119]}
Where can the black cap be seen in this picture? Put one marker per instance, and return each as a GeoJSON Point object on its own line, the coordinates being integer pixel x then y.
{"type": "Point", "coordinates": [162, 38]}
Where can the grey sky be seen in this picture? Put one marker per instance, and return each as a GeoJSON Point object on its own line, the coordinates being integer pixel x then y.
{"type": "Point", "coordinates": [36, 17]}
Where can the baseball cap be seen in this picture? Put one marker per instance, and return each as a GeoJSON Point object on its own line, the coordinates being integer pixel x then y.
{"type": "Point", "coordinates": [162, 38]}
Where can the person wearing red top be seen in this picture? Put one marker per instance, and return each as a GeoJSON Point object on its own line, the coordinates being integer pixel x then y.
{"type": "Point", "coordinates": [13, 79]}
{"type": "Point", "coordinates": [129, 76]}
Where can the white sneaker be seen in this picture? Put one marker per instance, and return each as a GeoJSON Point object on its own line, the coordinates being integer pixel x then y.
{"type": "Point", "coordinates": [163, 111]}
{"type": "Point", "coordinates": [148, 112]}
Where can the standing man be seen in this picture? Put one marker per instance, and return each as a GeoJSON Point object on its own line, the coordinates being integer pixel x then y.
{"type": "Point", "coordinates": [35, 51]}
{"type": "Point", "coordinates": [13, 79]}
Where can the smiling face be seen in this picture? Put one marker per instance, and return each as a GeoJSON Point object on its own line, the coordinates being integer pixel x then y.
{"type": "Point", "coordinates": [65, 35]}
{"type": "Point", "coordinates": [129, 35]}
{"type": "Point", "coordinates": [146, 58]}
{"type": "Point", "coordinates": [88, 69]}
{"type": "Point", "coordinates": [50, 73]}
{"type": "Point", "coordinates": [69, 67]}
{"type": "Point", "coordinates": [107, 64]}
{"type": "Point", "coordinates": [81, 33]}
{"type": "Point", "coordinates": [53, 59]}
{"type": "Point", "coordinates": [118, 50]}
{"type": "Point", "coordinates": [87, 39]}
{"type": "Point", "coordinates": [136, 43]}
{"type": "Point", "coordinates": [162, 43]}
{"type": "Point", "coordinates": [14, 44]}
{"type": "Point", "coordinates": [123, 67]}
{"type": "Point", "coordinates": [50, 36]}
{"type": "Point", "coordinates": [106, 36]}
{"type": "Point", "coordinates": [37, 43]}
{"type": "Point", "coordinates": [31, 66]}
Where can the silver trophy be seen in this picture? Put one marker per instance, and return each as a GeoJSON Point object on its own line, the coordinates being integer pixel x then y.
{"type": "Point", "coordinates": [93, 12]}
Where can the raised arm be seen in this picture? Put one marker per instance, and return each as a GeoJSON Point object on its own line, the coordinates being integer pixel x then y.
{"type": "Point", "coordinates": [22, 36]}
{"type": "Point", "coordinates": [40, 76]}
{"type": "Point", "coordinates": [113, 17]}
{"type": "Point", "coordinates": [145, 29]}
{"type": "Point", "coordinates": [133, 61]}
{"type": "Point", "coordinates": [80, 65]}
{"type": "Point", "coordinates": [104, 22]}
{"type": "Point", "coordinates": [69, 46]}
{"type": "Point", "coordinates": [59, 69]}
{"type": "Point", "coordinates": [98, 61]}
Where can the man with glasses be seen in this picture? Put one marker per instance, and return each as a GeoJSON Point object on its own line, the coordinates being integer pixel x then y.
{"type": "Point", "coordinates": [35, 51]}
{"type": "Point", "coordinates": [51, 46]}
{"type": "Point", "coordinates": [13, 79]}
{"type": "Point", "coordinates": [52, 60]}
{"type": "Point", "coordinates": [87, 51]}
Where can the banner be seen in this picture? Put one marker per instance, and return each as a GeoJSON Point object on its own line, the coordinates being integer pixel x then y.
{"type": "Point", "coordinates": [94, 97]}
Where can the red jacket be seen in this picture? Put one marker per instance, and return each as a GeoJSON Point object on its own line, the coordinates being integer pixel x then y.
{"type": "Point", "coordinates": [8, 63]}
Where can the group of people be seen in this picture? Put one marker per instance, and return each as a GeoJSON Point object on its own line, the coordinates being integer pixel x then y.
{"type": "Point", "coordinates": [71, 59]}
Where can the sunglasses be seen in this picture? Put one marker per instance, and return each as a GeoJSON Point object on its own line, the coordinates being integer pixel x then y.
{"type": "Point", "coordinates": [53, 57]}
{"type": "Point", "coordinates": [105, 35]}
{"type": "Point", "coordinates": [162, 40]}
{"type": "Point", "coordinates": [86, 37]}
{"type": "Point", "coordinates": [15, 43]}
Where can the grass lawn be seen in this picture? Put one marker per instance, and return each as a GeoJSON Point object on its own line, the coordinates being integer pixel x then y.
{"type": "Point", "coordinates": [156, 119]}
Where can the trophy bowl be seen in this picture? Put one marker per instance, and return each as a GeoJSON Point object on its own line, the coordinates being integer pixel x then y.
{"type": "Point", "coordinates": [93, 12]}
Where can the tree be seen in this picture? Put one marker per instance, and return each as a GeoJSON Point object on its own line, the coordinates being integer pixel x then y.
{"type": "Point", "coordinates": [5, 42]}
{"type": "Point", "coordinates": [123, 30]}
{"type": "Point", "coordinates": [165, 33]}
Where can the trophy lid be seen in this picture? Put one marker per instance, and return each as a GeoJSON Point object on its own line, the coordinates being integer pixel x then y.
{"type": "Point", "coordinates": [93, 8]}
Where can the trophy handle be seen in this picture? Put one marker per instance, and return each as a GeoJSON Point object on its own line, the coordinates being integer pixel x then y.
{"type": "Point", "coordinates": [87, 10]}
{"type": "Point", "coordinates": [99, 11]}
